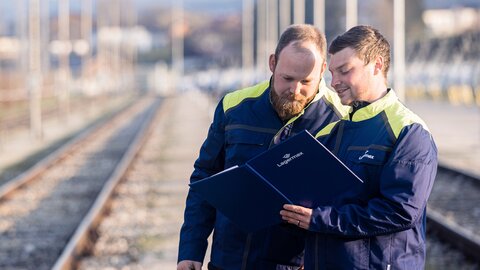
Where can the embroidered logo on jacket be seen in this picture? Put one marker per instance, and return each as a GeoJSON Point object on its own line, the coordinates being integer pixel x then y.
{"type": "Point", "coordinates": [366, 155]}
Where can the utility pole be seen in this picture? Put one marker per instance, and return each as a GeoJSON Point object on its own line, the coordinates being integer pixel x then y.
{"type": "Point", "coordinates": [115, 49]}
{"type": "Point", "coordinates": [21, 31]}
{"type": "Point", "coordinates": [103, 65]}
{"type": "Point", "coordinates": [262, 57]}
{"type": "Point", "coordinates": [247, 41]}
{"type": "Point", "coordinates": [285, 16]}
{"type": "Point", "coordinates": [131, 53]}
{"type": "Point", "coordinates": [177, 42]}
{"type": "Point", "coordinates": [35, 70]}
{"type": "Point", "coordinates": [352, 13]}
{"type": "Point", "coordinates": [45, 35]}
{"type": "Point", "coordinates": [64, 72]}
{"type": "Point", "coordinates": [299, 11]}
{"type": "Point", "coordinates": [272, 23]}
{"type": "Point", "coordinates": [399, 47]}
{"type": "Point", "coordinates": [319, 14]}
{"type": "Point", "coordinates": [86, 33]}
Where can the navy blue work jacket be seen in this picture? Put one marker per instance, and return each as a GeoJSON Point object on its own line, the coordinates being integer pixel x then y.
{"type": "Point", "coordinates": [244, 125]}
{"type": "Point", "coordinates": [381, 225]}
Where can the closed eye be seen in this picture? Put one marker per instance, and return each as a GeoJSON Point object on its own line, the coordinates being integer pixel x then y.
{"type": "Point", "coordinates": [306, 82]}
{"type": "Point", "coordinates": [344, 72]}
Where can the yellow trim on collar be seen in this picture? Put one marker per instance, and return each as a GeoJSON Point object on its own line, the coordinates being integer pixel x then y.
{"type": "Point", "coordinates": [233, 99]}
{"type": "Point", "coordinates": [376, 107]}
{"type": "Point", "coordinates": [398, 115]}
{"type": "Point", "coordinates": [236, 97]}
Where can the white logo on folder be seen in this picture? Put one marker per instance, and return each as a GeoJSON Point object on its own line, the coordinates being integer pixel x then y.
{"type": "Point", "coordinates": [289, 158]}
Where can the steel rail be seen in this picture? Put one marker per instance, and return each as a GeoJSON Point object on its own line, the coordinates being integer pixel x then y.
{"type": "Point", "coordinates": [471, 176]}
{"type": "Point", "coordinates": [82, 238]}
{"type": "Point", "coordinates": [466, 241]}
{"type": "Point", "coordinates": [24, 178]}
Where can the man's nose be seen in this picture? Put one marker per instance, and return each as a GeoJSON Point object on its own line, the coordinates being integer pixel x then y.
{"type": "Point", "coordinates": [334, 81]}
{"type": "Point", "coordinates": [295, 88]}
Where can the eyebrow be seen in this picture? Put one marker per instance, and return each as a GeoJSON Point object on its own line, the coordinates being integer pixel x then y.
{"type": "Point", "coordinates": [337, 68]}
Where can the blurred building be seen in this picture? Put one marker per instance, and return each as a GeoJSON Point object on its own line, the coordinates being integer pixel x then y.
{"type": "Point", "coordinates": [449, 18]}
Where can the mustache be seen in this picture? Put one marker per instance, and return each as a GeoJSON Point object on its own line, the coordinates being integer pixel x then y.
{"type": "Point", "coordinates": [293, 97]}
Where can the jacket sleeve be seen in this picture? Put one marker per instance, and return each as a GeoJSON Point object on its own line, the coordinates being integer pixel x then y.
{"type": "Point", "coordinates": [199, 216]}
{"type": "Point", "coordinates": [404, 187]}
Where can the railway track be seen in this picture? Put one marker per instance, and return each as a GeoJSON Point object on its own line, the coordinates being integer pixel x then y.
{"type": "Point", "coordinates": [142, 227]}
{"type": "Point", "coordinates": [41, 214]}
{"type": "Point", "coordinates": [12, 179]}
{"type": "Point", "coordinates": [453, 214]}
{"type": "Point", "coordinates": [19, 151]}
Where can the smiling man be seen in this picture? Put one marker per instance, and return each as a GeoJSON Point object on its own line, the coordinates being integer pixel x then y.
{"type": "Point", "coordinates": [246, 123]}
{"type": "Point", "coordinates": [380, 225]}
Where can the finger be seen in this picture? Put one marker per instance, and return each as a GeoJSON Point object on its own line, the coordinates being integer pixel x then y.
{"type": "Point", "coordinates": [288, 207]}
{"type": "Point", "coordinates": [196, 266]}
{"type": "Point", "coordinates": [292, 207]}
{"type": "Point", "coordinates": [303, 225]}
{"type": "Point", "coordinates": [297, 209]}
{"type": "Point", "coordinates": [295, 220]}
{"type": "Point", "coordinates": [298, 212]}
{"type": "Point", "coordinates": [286, 215]}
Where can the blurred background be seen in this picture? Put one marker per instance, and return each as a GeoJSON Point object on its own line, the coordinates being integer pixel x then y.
{"type": "Point", "coordinates": [58, 54]}
{"type": "Point", "coordinates": [64, 60]}
{"type": "Point", "coordinates": [66, 64]}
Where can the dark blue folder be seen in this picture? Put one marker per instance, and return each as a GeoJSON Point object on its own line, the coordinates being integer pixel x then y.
{"type": "Point", "coordinates": [299, 171]}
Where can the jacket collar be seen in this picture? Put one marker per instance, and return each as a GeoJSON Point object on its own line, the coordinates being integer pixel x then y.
{"type": "Point", "coordinates": [375, 107]}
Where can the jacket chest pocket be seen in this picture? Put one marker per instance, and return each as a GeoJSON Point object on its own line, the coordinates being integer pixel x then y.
{"type": "Point", "coordinates": [242, 145]}
{"type": "Point", "coordinates": [367, 161]}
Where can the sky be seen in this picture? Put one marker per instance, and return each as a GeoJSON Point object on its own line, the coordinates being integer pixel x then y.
{"type": "Point", "coordinates": [207, 5]}
{"type": "Point", "coordinates": [9, 8]}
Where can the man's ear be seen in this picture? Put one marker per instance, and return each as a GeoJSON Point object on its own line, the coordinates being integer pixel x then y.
{"type": "Point", "coordinates": [324, 68]}
{"type": "Point", "coordinates": [271, 62]}
{"type": "Point", "coordinates": [378, 65]}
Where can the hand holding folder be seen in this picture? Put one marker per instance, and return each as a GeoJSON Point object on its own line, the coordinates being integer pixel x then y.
{"type": "Point", "coordinates": [299, 171]}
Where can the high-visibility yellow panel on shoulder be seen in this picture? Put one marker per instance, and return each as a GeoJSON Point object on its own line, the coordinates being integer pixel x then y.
{"type": "Point", "coordinates": [326, 130]}
{"type": "Point", "coordinates": [231, 100]}
{"type": "Point", "coordinates": [400, 116]}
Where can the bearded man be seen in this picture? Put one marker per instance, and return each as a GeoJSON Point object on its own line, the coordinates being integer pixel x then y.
{"type": "Point", "coordinates": [246, 123]}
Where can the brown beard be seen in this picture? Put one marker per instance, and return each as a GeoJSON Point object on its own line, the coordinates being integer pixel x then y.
{"type": "Point", "coordinates": [288, 106]}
